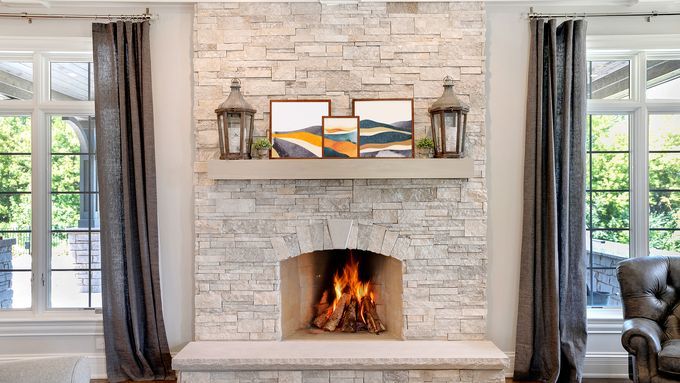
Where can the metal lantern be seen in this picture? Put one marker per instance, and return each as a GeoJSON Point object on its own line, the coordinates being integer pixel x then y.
{"type": "Point", "coordinates": [235, 124]}
{"type": "Point", "coordinates": [449, 119]}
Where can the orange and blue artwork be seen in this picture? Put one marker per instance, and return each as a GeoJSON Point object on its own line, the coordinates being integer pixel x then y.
{"type": "Point", "coordinates": [385, 127]}
{"type": "Point", "coordinates": [296, 128]}
{"type": "Point", "coordinates": [340, 137]}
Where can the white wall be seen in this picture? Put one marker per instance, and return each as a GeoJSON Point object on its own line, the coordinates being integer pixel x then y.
{"type": "Point", "coordinates": [507, 67]}
{"type": "Point", "coordinates": [171, 52]}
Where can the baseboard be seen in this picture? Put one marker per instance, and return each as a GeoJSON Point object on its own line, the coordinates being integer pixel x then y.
{"type": "Point", "coordinates": [597, 365]}
{"type": "Point", "coordinates": [97, 361]}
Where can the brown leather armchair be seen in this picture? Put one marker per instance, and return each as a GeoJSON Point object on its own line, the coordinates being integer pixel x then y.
{"type": "Point", "coordinates": [650, 292]}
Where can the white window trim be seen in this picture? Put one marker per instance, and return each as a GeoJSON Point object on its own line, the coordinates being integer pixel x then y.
{"type": "Point", "coordinates": [635, 48]}
{"type": "Point", "coordinates": [39, 319]}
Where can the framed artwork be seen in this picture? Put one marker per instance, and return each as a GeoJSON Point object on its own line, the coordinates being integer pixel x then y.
{"type": "Point", "coordinates": [295, 128]}
{"type": "Point", "coordinates": [385, 127]}
{"type": "Point", "coordinates": [340, 137]}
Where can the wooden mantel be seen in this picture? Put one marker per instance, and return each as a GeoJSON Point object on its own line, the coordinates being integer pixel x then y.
{"type": "Point", "coordinates": [361, 168]}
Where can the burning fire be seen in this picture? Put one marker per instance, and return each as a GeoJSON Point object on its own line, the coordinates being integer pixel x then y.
{"type": "Point", "coordinates": [353, 308]}
{"type": "Point", "coordinates": [349, 282]}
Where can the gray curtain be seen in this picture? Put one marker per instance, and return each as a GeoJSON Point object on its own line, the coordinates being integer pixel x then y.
{"type": "Point", "coordinates": [136, 344]}
{"type": "Point", "coordinates": [551, 322]}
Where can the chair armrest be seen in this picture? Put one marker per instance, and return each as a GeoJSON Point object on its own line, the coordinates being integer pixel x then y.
{"type": "Point", "coordinates": [649, 330]}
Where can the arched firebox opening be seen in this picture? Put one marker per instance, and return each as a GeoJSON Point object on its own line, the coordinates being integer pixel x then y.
{"type": "Point", "coordinates": [341, 294]}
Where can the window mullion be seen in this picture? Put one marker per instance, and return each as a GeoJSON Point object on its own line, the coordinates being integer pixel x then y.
{"type": "Point", "coordinates": [638, 146]}
{"type": "Point", "coordinates": [41, 197]}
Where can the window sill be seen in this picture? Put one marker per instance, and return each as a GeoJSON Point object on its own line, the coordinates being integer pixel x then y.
{"type": "Point", "coordinates": [605, 320]}
{"type": "Point", "coordinates": [64, 323]}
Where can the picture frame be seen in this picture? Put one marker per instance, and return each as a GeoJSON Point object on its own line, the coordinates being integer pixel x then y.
{"type": "Point", "coordinates": [386, 128]}
{"type": "Point", "coordinates": [295, 128]}
{"type": "Point", "coordinates": [340, 136]}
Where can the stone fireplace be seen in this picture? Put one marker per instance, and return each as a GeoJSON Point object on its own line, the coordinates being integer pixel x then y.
{"type": "Point", "coordinates": [308, 279]}
{"type": "Point", "coordinates": [265, 248]}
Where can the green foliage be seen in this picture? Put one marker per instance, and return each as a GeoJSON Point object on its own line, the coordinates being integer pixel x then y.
{"type": "Point", "coordinates": [15, 173]}
{"type": "Point", "coordinates": [425, 143]}
{"type": "Point", "coordinates": [262, 143]}
{"type": "Point", "coordinates": [610, 171]}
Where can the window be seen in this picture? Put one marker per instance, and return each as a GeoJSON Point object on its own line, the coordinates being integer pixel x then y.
{"type": "Point", "coordinates": [633, 163]}
{"type": "Point", "coordinates": [49, 213]}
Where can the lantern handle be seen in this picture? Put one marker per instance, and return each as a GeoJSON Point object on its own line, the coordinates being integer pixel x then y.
{"type": "Point", "coordinates": [448, 80]}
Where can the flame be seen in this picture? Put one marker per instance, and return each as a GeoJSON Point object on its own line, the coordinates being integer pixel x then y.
{"type": "Point", "coordinates": [348, 282]}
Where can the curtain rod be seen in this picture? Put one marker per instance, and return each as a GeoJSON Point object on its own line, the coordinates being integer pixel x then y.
{"type": "Point", "coordinates": [29, 17]}
{"type": "Point", "coordinates": [648, 15]}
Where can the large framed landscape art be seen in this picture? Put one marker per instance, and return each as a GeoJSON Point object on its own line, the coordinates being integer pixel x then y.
{"type": "Point", "coordinates": [295, 127]}
{"type": "Point", "coordinates": [385, 127]}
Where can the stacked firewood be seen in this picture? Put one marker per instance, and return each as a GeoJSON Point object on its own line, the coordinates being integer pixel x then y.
{"type": "Point", "coordinates": [349, 315]}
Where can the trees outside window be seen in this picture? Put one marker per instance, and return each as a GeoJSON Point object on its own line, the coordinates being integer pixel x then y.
{"type": "Point", "coordinates": [49, 214]}
{"type": "Point", "coordinates": [633, 164]}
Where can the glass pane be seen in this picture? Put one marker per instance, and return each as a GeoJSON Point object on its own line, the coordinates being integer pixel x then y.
{"type": "Point", "coordinates": [664, 210]}
{"type": "Point", "coordinates": [96, 288]}
{"type": "Point", "coordinates": [609, 79]}
{"type": "Point", "coordinates": [73, 134]}
{"type": "Point", "coordinates": [66, 211]}
{"type": "Point", "coordinates": [72, 250]}
{"type": "Point", "coordinates": [15, 134]}
{"type": "Point", "coordinates": [663, 79]}
{"type": "Point", "coordinates": [69, 289]}
{"type": "Point", "coordinates": [67, 175]}
{"type": "Point", "coordinates": [15, 173]}
{"type": "Point", "coordinates": [664, 242]}
{"type": "Point", "coordinates": [71, 81]}
{"type": "Point", "coordinates": [610, 171]}
{"type": "Point", "coordinates": [15, 212]}
{"type": "Point", "coordinates": [609, 133]}
{"type": "Point", "coordinates": [603, 286]}
{"type": "Point", "coordinates": [234, 132]}
{"type": "Point", "coordinates": [610, 243]}
{"type": "Point", "coordinates": [16, 80]}
{"type": "Point", "coordinates": [19, 246]}
{"type": "Point", "coordinates": [664, 131]}
{"type": "Point", "coordinates": [610, 210]}
{"type": "Point", "coordinates": [664, 171]}
{"type": "Point", "coordinates": [15, 290]}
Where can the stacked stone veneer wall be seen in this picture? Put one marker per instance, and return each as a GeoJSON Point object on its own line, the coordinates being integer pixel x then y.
{"type": "Point", "coordinates": [82, 245]}
{"type": "Point", "coordinates": [340, 52]}
{"type": "Point", "coordinates": [6, 278]}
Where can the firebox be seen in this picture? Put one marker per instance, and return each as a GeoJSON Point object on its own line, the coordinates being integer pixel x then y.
{"type": "Point", "coordinates": [341, 294]}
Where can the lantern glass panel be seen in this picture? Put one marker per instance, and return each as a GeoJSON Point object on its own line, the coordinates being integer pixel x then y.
{"type": "Point", "coordinates": [234, 132]}
{"type": "Point", "coordinates": [436, 136]}
{"type": "Point", "coordinates": [451, 125]}
{"type": "Point", "coordinates": [246, 132]}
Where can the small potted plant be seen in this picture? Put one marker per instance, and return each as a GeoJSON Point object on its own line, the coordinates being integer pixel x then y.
{"type": "Point", "coordinates": [424, 147]}
{"type": "Point", "coordinates": [262, 146]}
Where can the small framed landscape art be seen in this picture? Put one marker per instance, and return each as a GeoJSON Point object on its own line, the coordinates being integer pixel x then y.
{"type": "Point", "coordinates": [295, 127]}
{"type": "Point", "coordinates": [385, 127]}
{"type": "Point", "coordinates": [340, 137]}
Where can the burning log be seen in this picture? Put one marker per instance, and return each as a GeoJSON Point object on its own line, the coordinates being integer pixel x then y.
{"type": "Point", "coordinates": [349, 318]}
{"type": "Point", "coordinates": [322, 313]}
{"type": "Point", "coordinates": [371, 317]}
{"type": "Point", "coordinates": [334, 319]}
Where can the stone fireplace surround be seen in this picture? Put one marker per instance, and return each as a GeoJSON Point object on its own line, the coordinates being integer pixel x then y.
{"type": "Point", "coordinates": [245, 229]}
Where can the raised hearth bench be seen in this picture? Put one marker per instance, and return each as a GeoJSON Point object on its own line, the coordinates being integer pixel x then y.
{"type": "Point", "coordinates": [340, 361]}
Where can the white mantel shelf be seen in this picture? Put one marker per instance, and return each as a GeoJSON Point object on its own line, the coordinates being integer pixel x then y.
{"type": "Point", "coordinates": [360, 168]}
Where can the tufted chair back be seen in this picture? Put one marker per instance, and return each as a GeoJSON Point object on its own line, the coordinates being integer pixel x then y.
{"type": "Point", "coordinates": [650, 288]}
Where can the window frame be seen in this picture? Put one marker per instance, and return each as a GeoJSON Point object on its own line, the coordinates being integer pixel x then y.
{"type": "Point", "coordinates": [636, 49]}
{"type": "Point", "coordinates": [41, 52]}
